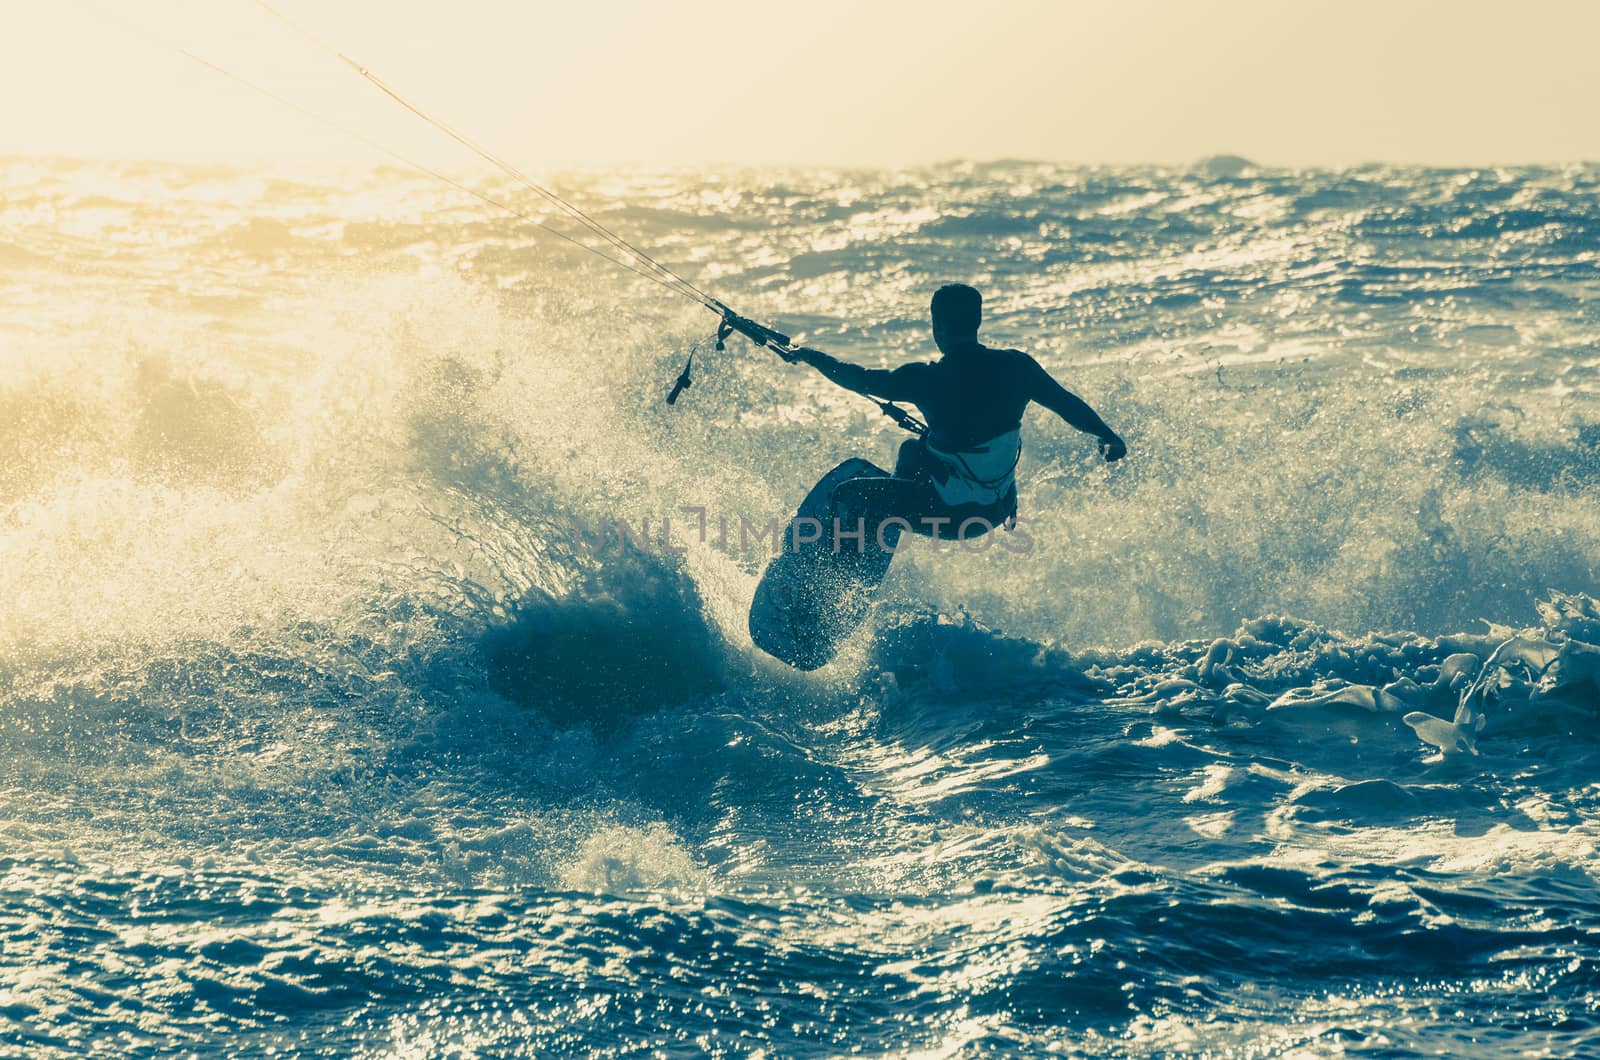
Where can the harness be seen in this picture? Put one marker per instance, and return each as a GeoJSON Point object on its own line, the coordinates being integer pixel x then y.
{"type": "Point", "coordinates": [982, 474]}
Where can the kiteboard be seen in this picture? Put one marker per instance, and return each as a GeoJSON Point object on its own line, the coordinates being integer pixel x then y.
{"type": "Point", "coordinates": [814, 595]}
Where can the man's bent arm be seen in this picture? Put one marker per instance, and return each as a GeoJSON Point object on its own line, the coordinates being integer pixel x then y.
{"type": "Point", "coordinates": [1070, 407]}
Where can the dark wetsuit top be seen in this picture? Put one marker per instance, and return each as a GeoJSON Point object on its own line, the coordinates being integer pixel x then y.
{"type": "Point", "coordinates": [973, 394]}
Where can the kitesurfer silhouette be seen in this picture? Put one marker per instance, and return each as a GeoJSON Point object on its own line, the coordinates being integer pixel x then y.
{"type": "Point", "coordinates": [956, 480]}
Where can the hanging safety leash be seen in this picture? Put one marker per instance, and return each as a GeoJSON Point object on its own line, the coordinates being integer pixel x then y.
{"type": "Point", "coordinates": [684, 382]}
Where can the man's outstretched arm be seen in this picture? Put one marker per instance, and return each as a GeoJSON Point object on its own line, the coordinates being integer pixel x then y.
{"type": "Point", "coordinates": [1070, 407]}
{"type": "Point", "coordinates": [899, 384]}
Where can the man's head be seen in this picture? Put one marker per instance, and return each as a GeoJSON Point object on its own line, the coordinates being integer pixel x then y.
{"type": "Point", "coordinates": [957, 311]}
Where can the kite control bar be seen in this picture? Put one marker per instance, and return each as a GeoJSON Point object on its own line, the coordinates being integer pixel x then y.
{"type": "Point", "coordinates": [760, 334]}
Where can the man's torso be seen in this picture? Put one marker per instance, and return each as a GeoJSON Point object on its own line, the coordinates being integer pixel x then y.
{"type": "Point", "coordinates": [971, 396]}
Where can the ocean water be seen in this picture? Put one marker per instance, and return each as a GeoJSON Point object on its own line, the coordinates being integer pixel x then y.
{"type": "Point", "coordinates": [332, 724]}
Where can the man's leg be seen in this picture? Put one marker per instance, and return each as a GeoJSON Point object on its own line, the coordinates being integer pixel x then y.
{"type": "Point", "coordinates": [931, 517]}
{"type": "Point", "coordinates": [911, 459]}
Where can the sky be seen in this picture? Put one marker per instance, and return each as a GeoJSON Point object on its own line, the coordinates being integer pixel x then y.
{"type": "Point", "coordinates": [825, 82]}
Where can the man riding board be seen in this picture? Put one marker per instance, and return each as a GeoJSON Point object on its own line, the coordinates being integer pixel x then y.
{"type": "Point", "coordinates": [957, 480]}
